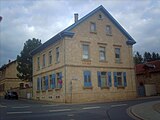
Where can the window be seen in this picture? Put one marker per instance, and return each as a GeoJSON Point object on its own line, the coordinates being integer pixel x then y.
{"type": "Point", "coordinates": [93, 27]}
{"type": "Point", "coordinates": [44, 60]}
{"type": "Point", "coordinates": [120, 79]}
{"type": "Point", "coordinates": [52, 81]}
{"type": "Point", "coordinates": [108, 30]}
{"type": "Point", "coordinates": [87, 78]}
{"type": "Point", "coordinates": [44, 83]}
{"type": "Point", "coordinates": [117, 55]}
{"type": "Point", "coordinates": [57, 54]}
{"type": "Point", "coordinates": [50, 57]}
{"type": "Point", "coordinates": [38, 83]}
{"type": "Point", "coordinates": [102, 54]}
{"type": "Point", "coordinates": [104, 79]}
{"type": "Point", "coordinates": [59, 80]}
{"type": "Point", "coordinates": [38, 63]}
{"type": "Point", "coordinates": [85, 51]}
{"type": "Point", "coordinates": [100, 16]}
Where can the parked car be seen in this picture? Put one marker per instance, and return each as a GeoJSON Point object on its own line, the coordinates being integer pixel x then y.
{"type": "Point", "coordinates": [11, 95]}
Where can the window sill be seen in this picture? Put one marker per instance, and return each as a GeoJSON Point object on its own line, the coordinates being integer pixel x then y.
{"type": "Point", "coordinates": [87, 87]}
{"type": "Point", "coordinates": [43, 90]}
{"type": "Point", "coordinates": [103, 61]}
{"type": "Point", "coordinates": [120, 87]}
{"type": "Point", "coordinates": [37, 91]}
{"type": "Point", "coordinates": [50, 65]}
{"type": "Point", "coordinates": [108, 34]}
{"type": "Point", "coordinates": [57, 89]}
{"type": "Point", "coordinates": [50, 90]}
{"type": "Point", "coordinates": [105, 87]}
{"type": "Point", "coordinates": [93, 32]}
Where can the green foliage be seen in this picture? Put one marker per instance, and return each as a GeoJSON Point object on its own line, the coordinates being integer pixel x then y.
{"type": "Point", "coordinates": [147, 57]}
{"type": "Point", "coordinates": [24, 60]}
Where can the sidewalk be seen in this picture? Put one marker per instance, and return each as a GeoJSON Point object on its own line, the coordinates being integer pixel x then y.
{"type": "Point", "coordinates": [146, 111]}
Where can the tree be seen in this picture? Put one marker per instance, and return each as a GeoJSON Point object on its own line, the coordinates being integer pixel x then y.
{"type": "Point", "coordinates": [24, 60]}
{"type": "Point", "coordinates": [138, 58]}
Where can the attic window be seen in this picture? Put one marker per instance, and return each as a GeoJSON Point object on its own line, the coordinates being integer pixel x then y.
{"type": "Point", "coordinates": [99, 16]}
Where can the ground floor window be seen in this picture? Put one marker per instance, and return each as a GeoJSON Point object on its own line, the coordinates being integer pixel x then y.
{"type": "Point", "coordinates": [120, 79]}
{"type": "Point", "coordinates": [87, 78]}
{"type": "Point", "coordinates": [104, 79]}
{"type": "Point", "coordinates": [59, 80]}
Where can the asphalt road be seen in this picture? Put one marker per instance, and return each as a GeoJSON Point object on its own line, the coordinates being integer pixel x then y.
{"type": "Point", "coordinates": [31, 110]}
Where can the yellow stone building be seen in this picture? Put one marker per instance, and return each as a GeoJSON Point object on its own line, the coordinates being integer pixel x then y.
{"type": "Point", "coordinates": [8, 77]}
{"type": "Point", "coordinates": [90, 61]}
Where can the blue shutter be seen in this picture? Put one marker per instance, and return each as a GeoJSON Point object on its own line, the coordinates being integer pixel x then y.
{"type": "Point", "coordinates": [99, 78]}
{"type": "Point", "coordinates": [115, 79]}
{"type": "Point", "coordinates": [46, 80]}
{"type": "Point", "coordinates": [109, 79]}
{"type": "Point", "coordinates": [60, 76]}
{"type": "Point", "coordinates": [53, 81]}
{"type": "Point", "coordinates": [124, 79]}
{"type": "Point", "coordinates": [41, 79]}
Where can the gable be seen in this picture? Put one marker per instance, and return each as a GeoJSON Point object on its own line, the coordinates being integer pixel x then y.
{"type": "Point", "coordinates": [67, 32]}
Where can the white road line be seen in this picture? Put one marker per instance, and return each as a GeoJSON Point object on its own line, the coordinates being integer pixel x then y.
{"type": "Point", "coordinates": [2, 106]}
{"type": "Point", "coordinates": [24, 112]}
{"type": "Point", "coordinates": [88, 108]}
{"type": "Point", "coordinates": [118, 105]}
{"type": "Point", "coordinates": [21, 107]}
{"type": "Point", "coordinates": [49, 105]}
{"type": "Point", "coordinates": [59, 110]}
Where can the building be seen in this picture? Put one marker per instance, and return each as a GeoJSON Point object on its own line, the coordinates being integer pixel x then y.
{"type": "Point", "coordinates": [89, 61]}
{"type": "Point", "coordinates": [8, 77]}
{"type": "Point", "coordinates": [148, 78]}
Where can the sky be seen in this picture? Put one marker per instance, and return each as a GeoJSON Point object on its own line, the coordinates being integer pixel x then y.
{"type": "Point", "coordinates": [42, 19]}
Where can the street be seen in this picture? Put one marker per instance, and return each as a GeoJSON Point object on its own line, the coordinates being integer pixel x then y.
{"type": "Point", "coordinates": [31, 110]}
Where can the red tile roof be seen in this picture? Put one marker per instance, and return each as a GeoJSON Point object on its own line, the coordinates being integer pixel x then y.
{"type": "Point", "coordinates": [140, 68]}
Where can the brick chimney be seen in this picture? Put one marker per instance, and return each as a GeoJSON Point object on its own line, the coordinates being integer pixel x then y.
{"type": "Point", "coordinates": [75, 17]}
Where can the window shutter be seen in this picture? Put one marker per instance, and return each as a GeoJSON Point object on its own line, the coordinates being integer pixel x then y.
{"type": "Point", "coordinates": [124, 79]}
{"type": "Point", "coordinates": [109, 79]}
{"type": "Point", "coordinates": [53, 81]}
{"type": "Point", "coordinates": [115, 79]}
{"type": "Point", "coordinates": [87, 75]}
{"type": "Point", "coordinates": [99, 78]}
{"type": "Point", "coordinates": [41, 79]}
{"type": "Point", "coordinates": [38, 83]}
{"type": "Point", "coordinates": [46, 78]}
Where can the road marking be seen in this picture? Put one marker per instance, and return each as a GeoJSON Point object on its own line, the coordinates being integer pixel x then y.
{"type": "Point", "coordinates": [49, 105]}
{"type": "Point", "coordinates": [118, 105]}
{"type": "Point", "coordinates": [70, 115]}
{"type": "Point", "coordinates": [59, 110]}
{"type": "Point", "coordinates": [88, 108]}
{"type": "Point", "coordinates": [21, 107]}
{"type": "Point", "coordinates": [2, 106]}
{"type": "Point", "coordinates": [24, 112]}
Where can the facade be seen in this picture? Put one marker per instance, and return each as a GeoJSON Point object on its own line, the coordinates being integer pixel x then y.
{"type": "Point", "coordinates": [148, 74]}
{"type": "Point", "coordinates": [89, 61]}
{"type": "Point", "coordinates": [8, 77]}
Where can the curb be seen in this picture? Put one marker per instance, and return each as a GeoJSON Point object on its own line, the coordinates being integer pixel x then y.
{"type": "Point", "coordinates": [133, 115]}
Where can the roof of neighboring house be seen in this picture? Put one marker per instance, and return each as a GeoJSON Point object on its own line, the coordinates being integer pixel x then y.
{"type": "Point", "coordinates": [6, 65]}
{"type": "Point", "coordinates": [67, 32]}
{"type": "Point", "coordinates": [153, 66]}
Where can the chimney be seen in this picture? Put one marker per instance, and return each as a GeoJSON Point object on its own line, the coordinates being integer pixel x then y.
{"type": "Point", "coordinates": [75, 17]}
{"type": "Point", "coordinates": [9, 61]}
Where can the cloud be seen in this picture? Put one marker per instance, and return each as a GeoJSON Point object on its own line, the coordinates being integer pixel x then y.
{"type": "Point", "coordinates": [23, 20]}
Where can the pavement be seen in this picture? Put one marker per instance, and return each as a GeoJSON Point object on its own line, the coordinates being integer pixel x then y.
{"type": "Point", "coordinates": [145, 111]}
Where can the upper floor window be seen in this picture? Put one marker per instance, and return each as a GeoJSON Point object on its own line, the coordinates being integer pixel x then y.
{"type": "Point", "coordinates": [85, 52]}
{"type": "Point", "coordinates": [38, 63]}
{"type": "Point", "coordinates": [102, 54]}
{"type": "Point", "coordinates": [108, 30]}
{"type": "Point", "coordinates": [100, 16]}
{"type": "Point", "coordinates": [44, 60]}
{"type": "Point", "coordinates": [57, 54]}
{"type": "Point", "coordinates": [93, 27]}
{"type": "Point", "coordinates": [50, 57]}
{"type": "Point", "coordinates": [117, 55]}
{"type": "Point", "coordinates": [87, 78]}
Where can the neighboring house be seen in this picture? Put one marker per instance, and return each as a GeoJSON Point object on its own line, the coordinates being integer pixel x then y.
{"type": "Point", "coordinates": [148, 77]}
{"type": "Point", "coordinates": [89, 61]}
{"type": "Point", "coordinates": [8, 77]}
